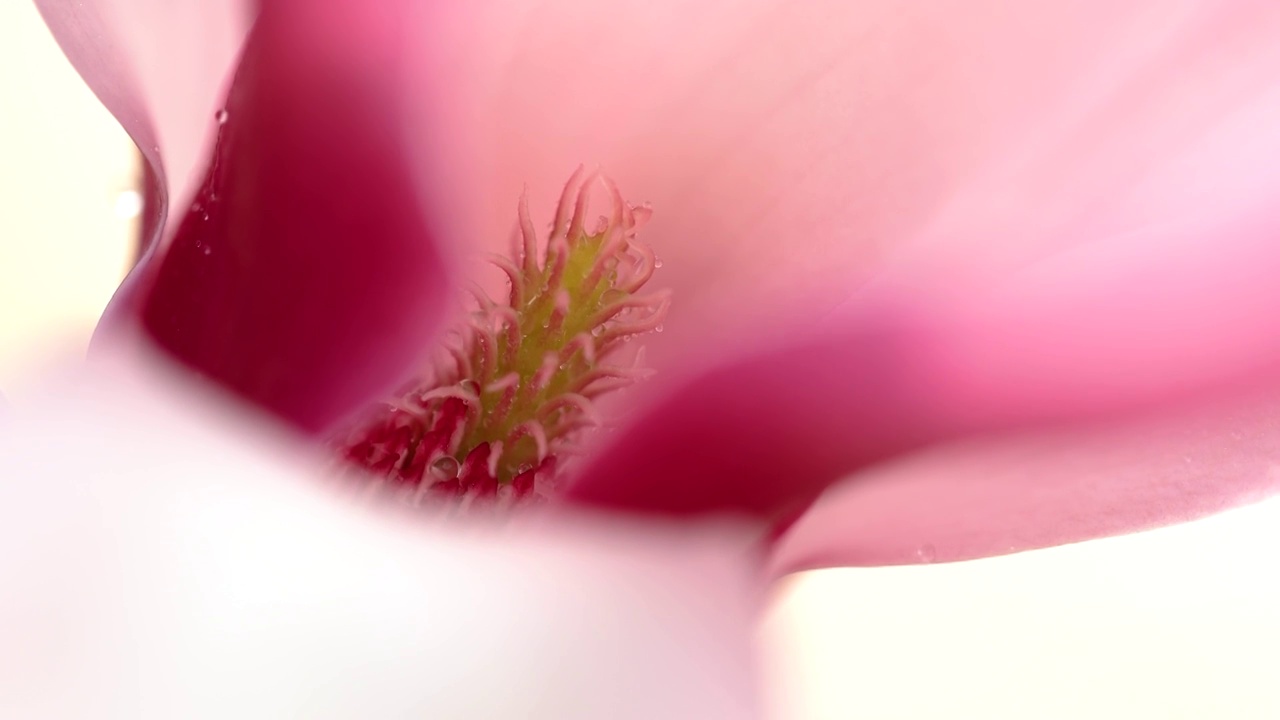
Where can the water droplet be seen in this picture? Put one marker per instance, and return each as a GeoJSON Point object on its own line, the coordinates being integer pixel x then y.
{"type": "Point", "coordinates": [657, 263]}
{"type": "Point", "coordinates": [207, 250]}
{"type": "Point", "coordinates": [658, 328]}
{"type": "Point", "coordinates": [926, 554]}
{"type": "Point", "coordinates": [444, 468]}
{"type": "Point", "coordinates": [221, 116]}
{"type": "Point", "coordinates": [196, 207]}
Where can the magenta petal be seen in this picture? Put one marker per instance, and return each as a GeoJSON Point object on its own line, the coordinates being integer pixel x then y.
{"type": "Point", "coordinates": [766, 433]}
{"type": "Point", "coordinates": [306, 276]}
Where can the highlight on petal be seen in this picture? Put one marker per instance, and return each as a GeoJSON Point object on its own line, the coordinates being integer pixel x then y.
{"type": "Point", "coordinates": [793, 151]}
{"type": "Point", "coordinates": [307, 275]}
{"type": "Point", "coordinates": [176, 559]}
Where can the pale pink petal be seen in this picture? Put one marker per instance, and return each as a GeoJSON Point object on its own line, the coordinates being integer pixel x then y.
{"type": "Point", "coordinates": [166, 557]}
{"type": "Point", "coordinates": [794, 150]}
{"type": "Point", "coordinates": [1039, 488]}
{"type": "Point", "coordinates": [159, 67]}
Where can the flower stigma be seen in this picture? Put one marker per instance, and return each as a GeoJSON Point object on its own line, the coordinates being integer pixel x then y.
{"type": "Point", "coordinates": [515, 390]}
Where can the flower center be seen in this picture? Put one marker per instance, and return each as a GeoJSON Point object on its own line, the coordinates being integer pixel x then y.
{"type": "Point", "coordinates": [517, 387]}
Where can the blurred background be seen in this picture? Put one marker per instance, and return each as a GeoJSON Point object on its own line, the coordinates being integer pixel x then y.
{"type": "Point", "coordinates": [1176, 623]}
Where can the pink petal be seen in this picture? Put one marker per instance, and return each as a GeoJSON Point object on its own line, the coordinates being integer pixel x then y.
{"type": "Point", "coordinates": [176, 560]}
{"type": "Point", "coordinates": [1163, 322]}
{"type": "Point", "coordinates": [1034, 489]}
{"type": "Point", "coordinates": [159, 67]}
{"type": "Point", "coordinates": [306, 275]}
{"type": "Point", "coordinates": [1156, 321]}
{"type": "Point", "coordinates": [1147, 331]}
{"type": "Point", "coordinates": [794, 150]}
{"type": "Point", "coordinates": [766, 433]}
{"type": "Point", "coordinates": [1078, 193]}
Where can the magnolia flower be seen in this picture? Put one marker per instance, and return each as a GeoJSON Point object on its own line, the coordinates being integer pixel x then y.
{"type": "Point", "coordinates": [882, 230]}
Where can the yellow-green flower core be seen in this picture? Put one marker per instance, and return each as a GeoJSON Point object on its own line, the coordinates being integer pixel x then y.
{"type": "Point", "coordinates": [518, 387]}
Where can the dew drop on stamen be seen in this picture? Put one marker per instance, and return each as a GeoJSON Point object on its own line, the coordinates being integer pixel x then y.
{"type": "Point", "coordinates": [445, 468]}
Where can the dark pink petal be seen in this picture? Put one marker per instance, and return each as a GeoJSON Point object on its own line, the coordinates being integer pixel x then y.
{"type": "Point", "coordinates": [306, 275]}
{"type": "Point", "coordinates": [764, 434]}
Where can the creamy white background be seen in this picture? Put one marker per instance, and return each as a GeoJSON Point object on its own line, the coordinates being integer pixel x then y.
{"type": "Point", "coordinates": [1176, 623]}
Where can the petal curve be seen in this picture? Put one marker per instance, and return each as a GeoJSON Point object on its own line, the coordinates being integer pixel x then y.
{"type": "Point", "coordinates": [306, 275]}
{"type": "Point", "coordinates": [1009, 493]}
{"type": "Point", "coordinates": [159, 67]}
{"type": "Point", "coordinates": [767, 433]}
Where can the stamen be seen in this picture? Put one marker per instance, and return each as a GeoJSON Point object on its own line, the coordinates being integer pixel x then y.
{"type": "Point", "coordinates": [582, 344]}
{"type": "Point", "coordinates": [567, 198]}
{"type": "Point", "coordinates": [513, 276]}
{"type": "Point", "coordinates": [580, 209]}
{"type": "Point", "coordinates": [494, 423]}
{"type": "Point", "coordinates": [530, 237]}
